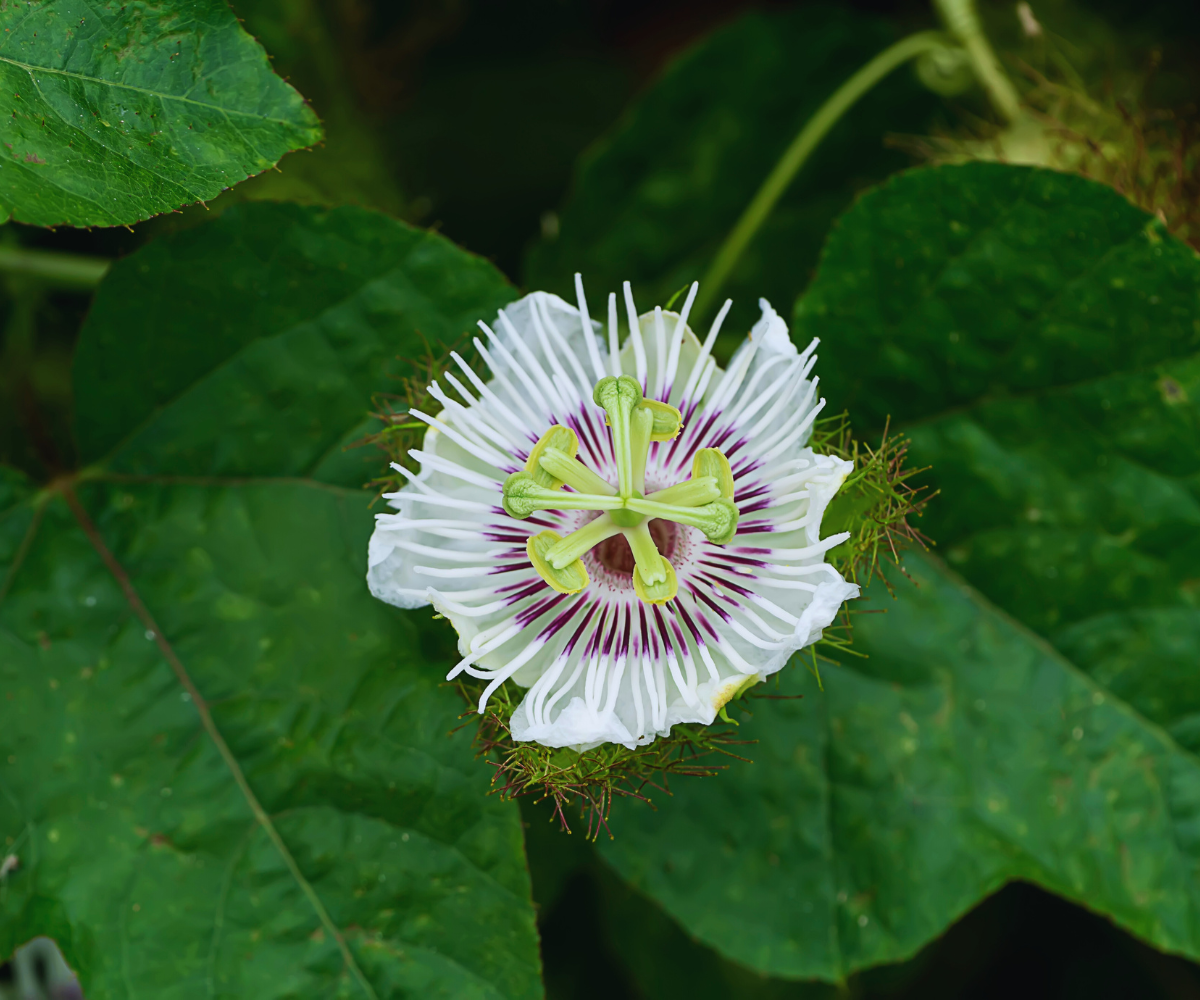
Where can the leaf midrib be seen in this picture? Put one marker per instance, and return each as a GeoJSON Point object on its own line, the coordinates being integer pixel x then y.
{"type": "Point", "coordinates": [260, 814]}
{"type": "Point", "coordinates": [160, 95]}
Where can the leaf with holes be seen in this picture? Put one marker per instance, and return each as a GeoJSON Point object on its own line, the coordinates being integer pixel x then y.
{"type": "Point", "coordinates": [120, 113]}
{"type": "Point", "coordinates": [1037, 717]}
{"type": "Point", "coordinates": [225, 768]}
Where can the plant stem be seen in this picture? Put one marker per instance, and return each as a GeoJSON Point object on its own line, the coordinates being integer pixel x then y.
{"type": "Point", "coordinates": [69, 269]}
{"type": "Point", "coordinates": [798, 152]}
{"type": "Point", "coordinates": [963, 21]}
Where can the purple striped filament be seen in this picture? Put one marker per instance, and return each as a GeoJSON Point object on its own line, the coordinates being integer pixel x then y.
{"type": "Point", "coordinates": [600, 665]}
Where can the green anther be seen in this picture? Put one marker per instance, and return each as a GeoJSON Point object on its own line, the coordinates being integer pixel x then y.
{"type": "Point", "coordinates": [712, 462]}
{"type": "Point", "coordinates": [561, 439]}
{"type": "Point", "coordinates": [668, 421]}
{"type": "Point", "coordinates": [575, 474]}
{"type": "Point", "coordinates": [523, 496]}
{"type": "Point", "coordinates": [581, 540]}
{"type": "Point", "coordinates": [656, 593]}
{"type": "Point", "coordinates": [718, 519]}
{"type": "Point", "coordinates": [569, 579]}
{"type": "Point", "coordinates": [619, 396]}
{"type": "Point", "coordinates": [695, 492]}
{"type": "Point", "coordinates": [654, 579]}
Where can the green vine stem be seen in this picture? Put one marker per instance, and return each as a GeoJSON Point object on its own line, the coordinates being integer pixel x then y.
{"type": "Point", "coordinates": [962, 19]}
{"type": "Point", "coordinates": [72, 270]}
{"type": "Point", "coordinates": [801, 148]}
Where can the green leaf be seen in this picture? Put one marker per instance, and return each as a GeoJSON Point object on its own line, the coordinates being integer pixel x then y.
{"type": "Point", "coordinates": [964, 753]}
{"type": "Point", "coordinates": [226, 768]}
{"type": "Point", "coordinates": [654, 199]}
{"type": "Point", "coordinates": [120, 113]}
{"type": "Point", "coordinates": [1038, 718]}
{"type": "Point", "coordinates": [1039, 339]}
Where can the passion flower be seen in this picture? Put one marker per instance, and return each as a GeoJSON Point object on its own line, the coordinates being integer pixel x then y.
{"type": "Point", "coordinates": [627, 531]}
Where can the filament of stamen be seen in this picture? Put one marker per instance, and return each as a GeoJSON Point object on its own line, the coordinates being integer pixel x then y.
{"type": "Point", "coordinates": [694, 492]}
{"type": "Point", "coordinates": [523, 496]}
{"type": "Point", "coordinates": [582, 540]}
{"type": "Point", "coordinates": [646, 555]}
{"type": "Point", "coordinates": [619, 396]}
{"type": "Point", "coordinates": [641, 426]}
{"type": "Point", "coordinates": [575, 474]}
{"type": "Point", "coordinates": [718, 519]}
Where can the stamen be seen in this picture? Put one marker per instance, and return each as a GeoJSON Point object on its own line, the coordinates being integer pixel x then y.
{"type": "Point", "coordinates": [569, 579]}
{"type": "Point", "coordinates": [575, 474]}
{"type": "Point", "coordinates": [641, 431]}
{"type": "Point", "coordinates": [654, 579]}
{"type": "Point", "coordinates": [718, 520]}
{"type": "Point", "coordinates": [696, 492]}
{"type": "Point", "coordinates": [668, 421]}
{"type": "Point", "coordinates": [712, 462]}
{"type": "Point", "coordinates": [523, 496]}
{"type": "Point", "coordinates": [582, 540]}
{"type": "Point", "coordinates": [618, 397]}
{"type": "Point", "coordinates": [561, 439]}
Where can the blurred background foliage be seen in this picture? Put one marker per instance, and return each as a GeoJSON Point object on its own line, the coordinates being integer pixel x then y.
{"type": "Point", "coordinates": [480, 119]}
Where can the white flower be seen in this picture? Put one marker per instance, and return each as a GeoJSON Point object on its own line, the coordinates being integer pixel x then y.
{"type": "Point", "coordinates": [629, 532]}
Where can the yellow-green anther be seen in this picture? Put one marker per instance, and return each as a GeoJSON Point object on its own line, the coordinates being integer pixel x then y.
{"type": "Point", "coordinates": [718, 519]}
{"type": "Point", "coordinates": [523, 496]}
{"type": "Point", "coordinates": [569, 579]}
{"type": "Point", "coordinates": [581, 540]}
{"type": "Point", "coordinates": [619, 396]}
{"type": "Point", "coordinates": [650, 564]}
{"type": "Point", "coordinates": [695, 492]}
{"type": "Point", "coordinates": [654, 579]}
{"type": "Point", "coordinates": [575, 474]}
{"type": "Point", "coordinates": [563, 440]}
{"type": "Point", "coordinates": [668, 421]}
{"type": "Point", "coordinates": [656, 593]}
{"type": "Point", "coordinates": [712, 462]}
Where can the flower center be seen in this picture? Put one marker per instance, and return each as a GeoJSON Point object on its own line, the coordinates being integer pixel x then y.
{"type": "Point", "coordinates": [624, 530]}
{"type": "Point", "coordinates": [615, 555]}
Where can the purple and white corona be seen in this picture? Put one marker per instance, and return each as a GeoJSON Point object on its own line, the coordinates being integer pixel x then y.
{"type": "Point", "coordinates": [625, 530]}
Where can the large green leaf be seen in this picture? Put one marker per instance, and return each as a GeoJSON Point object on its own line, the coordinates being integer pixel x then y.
{"type": "Point", "coordinates": [653, 199]}
{"type": "Point", "coordinates": [120, 112]}
{"type": "Point", "coordinates": [1038, 718]}
{"type": "Point", "coordinates": [962, 754]}
{"type": "Point", "coordinates": [1039, 339]}
{"type": "Point", "coordinates": [226, 769]}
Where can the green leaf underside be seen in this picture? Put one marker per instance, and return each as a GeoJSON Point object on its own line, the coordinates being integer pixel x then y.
{"type": "Point", "coordinates": [653, 200]}
{"type": "Point", "coordinates": [140, 854]}
{"type": "Point", "coordinates": [1036, 336]}
{"type": "Point", "coordinates": [120, 112]}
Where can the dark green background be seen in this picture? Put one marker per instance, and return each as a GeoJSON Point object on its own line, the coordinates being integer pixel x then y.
{"type": "Point", "coordinates": [470, 117]}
